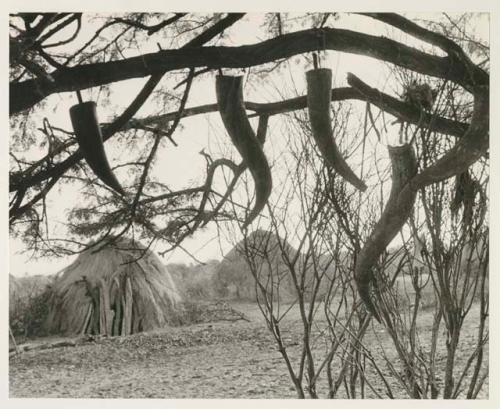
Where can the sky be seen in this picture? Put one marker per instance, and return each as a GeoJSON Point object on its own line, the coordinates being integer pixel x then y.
{"type": "Point", "coordinates": [181, 165]}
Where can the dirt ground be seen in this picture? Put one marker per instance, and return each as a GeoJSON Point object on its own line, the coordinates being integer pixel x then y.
{"type": "Point", "coordinates": [212, 360]}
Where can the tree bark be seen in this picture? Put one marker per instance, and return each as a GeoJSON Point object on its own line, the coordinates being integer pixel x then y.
{"type": "Point", "coordinates": [25, 94]}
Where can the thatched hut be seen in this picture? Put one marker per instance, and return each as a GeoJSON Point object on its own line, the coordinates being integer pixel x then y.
{"type": "Point", "coordinates": [233, 278]}
{"type": "Point", "coordinates": [120, 289]}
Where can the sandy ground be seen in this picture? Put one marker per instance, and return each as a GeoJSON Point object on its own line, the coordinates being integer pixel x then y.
{"type": "Point", "coordinates": [214, 360]}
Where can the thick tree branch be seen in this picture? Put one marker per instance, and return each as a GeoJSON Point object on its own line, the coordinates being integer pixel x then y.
{"type": "Point", "coordinates": [476, 74]}
{"type": "Point", "coordinates": [22, 43]}
{"type": "Point", "coordinates": [75, 17]}
{"type": "Point", "coordinates": [360, 91]}
{"type": "Point", "coordinates": [108, 131]}
{"type": "Point", "coordinates": [27, 93]}
{"type": "Point", "coordinates": [406, 111]}
{"type": "Point", "coordinates": [466, 151]}
{"type": "Point", "coordinates": [153, 81]}
{"type": "Point", "coordinates": [409, 27]}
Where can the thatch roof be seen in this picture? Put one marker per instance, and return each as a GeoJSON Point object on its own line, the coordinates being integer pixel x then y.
{"type": "Point", "coordinates": [234, 278]}
{"type": "Point", "coordinates": [118, 290]}
{"type": "Point", "coordinates": [266, 250]}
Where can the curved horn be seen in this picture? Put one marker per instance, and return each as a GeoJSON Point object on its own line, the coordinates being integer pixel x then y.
{"type": "Point", "coordinates": [319, 85]}
{"type": "Point", "coordinates": [396, 212]}
{"type": "Point", "coordinates": [229, 92]}
{"type": "Point", "coordinates": [89, 137]}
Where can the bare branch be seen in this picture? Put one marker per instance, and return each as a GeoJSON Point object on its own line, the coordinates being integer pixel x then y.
{"type": "Point", "coordinates": [27, 93]}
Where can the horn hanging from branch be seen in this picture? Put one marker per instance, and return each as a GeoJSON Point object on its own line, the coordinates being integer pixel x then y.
{"type": "Point", "coordinates": [319, 85]}
{"type": "Point", "coordinates": [89, 137]}
{"type": "Point", "coordinates": [394, 216]}
{"type": "Point", "coordinates": [229, 92]}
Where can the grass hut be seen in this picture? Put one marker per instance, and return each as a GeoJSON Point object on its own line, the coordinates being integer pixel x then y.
{"type": "Point", "coordinates": [119, 289]}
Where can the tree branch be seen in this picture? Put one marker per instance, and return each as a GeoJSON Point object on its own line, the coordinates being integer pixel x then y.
{"type": "Point", "coordinates": [151, 29]}
{"type": "Point", "coordinates": [467, 150]}
{"type": "Point", "coordinates": [360, 91]}
{"type": "Point", "coordinates": [454, 51]}
{"type": "Point", "coordinates": [409, 27]}
{"type": "Point", "coordinates": [59, 27]}
{"type": "Point", "coordinates": [58, 170]}
{"type": "Point", "coordinates": [406, 111]}
{"type": "Point", "coordinates": [27, 93]}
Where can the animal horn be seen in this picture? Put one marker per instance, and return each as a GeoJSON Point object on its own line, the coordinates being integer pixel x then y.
{"type": "Point", "coordinates": [319, 85]}
{"type": "Point", "coordinates": [229, 92]}
{"type": "Point", "coordinates": [396, 212]}
{"type": "Point", "coordinates": [89, 137]}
